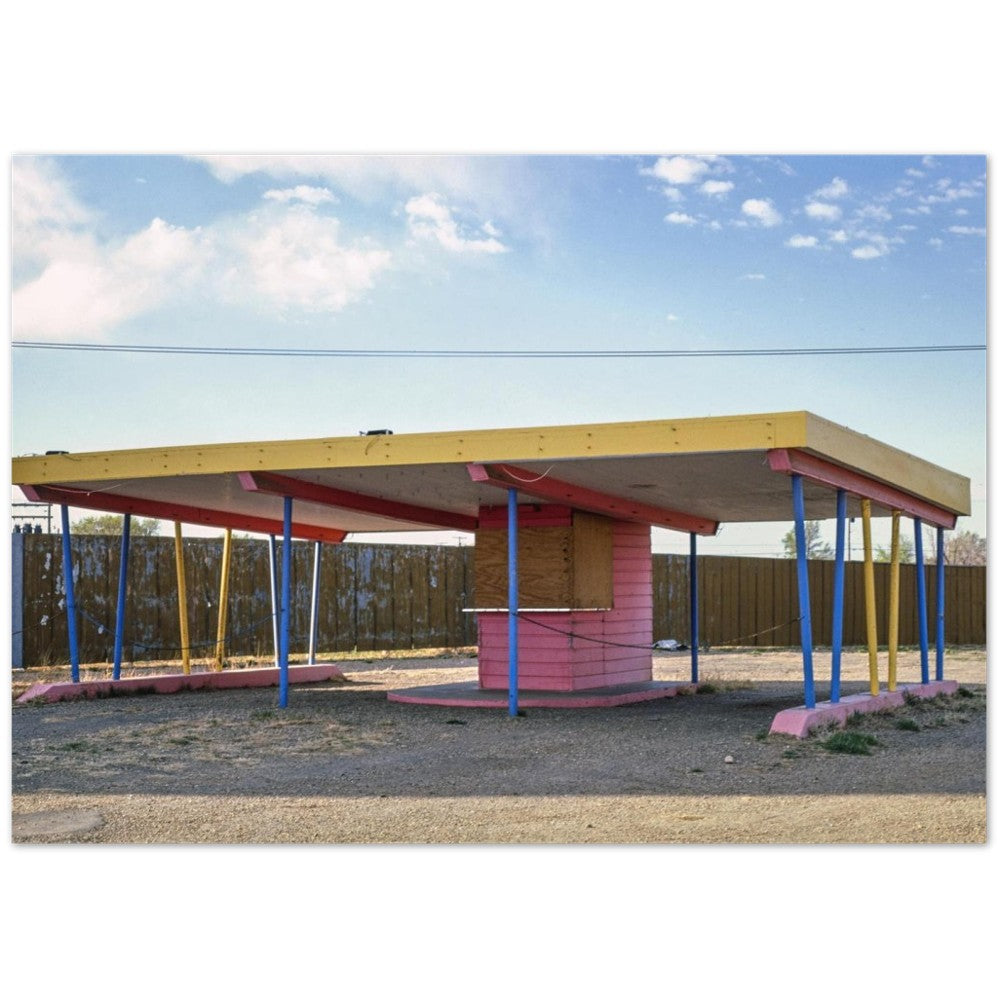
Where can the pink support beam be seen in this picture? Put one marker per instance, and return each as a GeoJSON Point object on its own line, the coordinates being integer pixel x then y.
{"type": "Point", "coordinates": [791, 461]}
{"type": "Point", "coordinates": [558, 491]}
{"type": "Point", "coordinates": [329, 496]}
{"type": "Point", "coordinates": [116, 503]}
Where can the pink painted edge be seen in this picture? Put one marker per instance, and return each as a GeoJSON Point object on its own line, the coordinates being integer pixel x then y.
{"type": "Point", "coordinates": [174, 683]}
{"type": "Point", "coordinates": [553, 700]}
{"type": "Point", "coordinates": [798, 722]}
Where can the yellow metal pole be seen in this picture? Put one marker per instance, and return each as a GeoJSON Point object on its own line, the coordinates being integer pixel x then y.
{"type": "Point", "coordinates": [220, 636]}
{"type": "Point", "coordinates": [894, 601]}
{"type": "Point", "coordinates": [182, 597]}
{"type": "Point", "coordinates": [866, 524]}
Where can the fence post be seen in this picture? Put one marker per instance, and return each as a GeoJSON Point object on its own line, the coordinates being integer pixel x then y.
{"type": "Point", "coordinates": [17, 599]}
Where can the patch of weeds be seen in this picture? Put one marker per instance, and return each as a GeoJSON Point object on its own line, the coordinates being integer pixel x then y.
{"type": "Point", "coordinates": [143, 689]}
{"type": "Point", "coordinates": [908, 725]}
{"type": "Point", "coordinates": [850, 742]}
{"type": "Point", "coordinates": [77, 746]}
{"type": "Point", "coordinates": [707, 688]}
{"type": "Point", "coordinates": [964, 692]}
{"type": "Point", "coordinates": [181, 741]}
{"type": "Point", "coordinates": [262, 714]}
{"type": "Point", "coordinates": [762, 734]}
{"type": "Point", "coordinates": [790, 754]}
{"type": "Point", "coordinates": [855, 719]}
{"type": "Point", "coordinates": [697, 770]}
{"type": "Point", "coordinates": [911, 699]}
{"type": "Point", "coordinates": [456, 722]}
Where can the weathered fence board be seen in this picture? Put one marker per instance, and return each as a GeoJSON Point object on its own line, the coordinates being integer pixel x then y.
{"type": "Point", "coordinates": [411, 597]}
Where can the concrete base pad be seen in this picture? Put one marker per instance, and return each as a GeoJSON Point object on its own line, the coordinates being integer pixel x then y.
{"type": "Point", "coordinates": [173, 683]}
{"type": "Point", "coordinates": [468, 694]}
{"type": "Point", "coordinates": [799, 721]}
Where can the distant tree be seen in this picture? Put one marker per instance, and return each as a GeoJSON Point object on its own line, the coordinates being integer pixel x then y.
{"type": "Point", "coordinates": [883, 553]}
{"type": "Point", "coordinates": [965, 549]}
{"type": "Point", "coordinates": [815, 548]}
{"type": "Point", "coordinates": [111, 524]}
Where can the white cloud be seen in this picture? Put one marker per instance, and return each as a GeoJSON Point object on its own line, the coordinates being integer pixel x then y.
{"type": "Point", "coordinates": [929, 161]}
{"type": "Point", "coordinates": [802, 241]}
{"type": "Point", "coordinates": [94, 289]}
{"type": "Point", "coordinates": [878, 212]}
{"type": "Point", "coordinates": [430, 218]}
{"type": "Point", "coordinates": [680, 219]}
{"type": "Point", "coordinates": [671, 318]}
{"type": "Point", "coordinates": [679, 169]}
{"type": "Point", "coordinates": [47, 219]}
{"type": "Point", "coordinates": [906, 228]}
{"type": "Point", "coordinates": [949, 193]}
{"type": "Point", "coordinates": [302, 192]}
{"type": "Point", "coordinates": [673, 194]}
{"type": "Point", "coordinates": [935, 242]}
{"type": "Point", "coordinates": [822, 210]}
{"type": "Point", "coordinates": [295, 260]}
{"type": "Point", "coordinates": [838, 236]}
{"type": "Point", "coordinates": [913, 172]}
{"type": "Point", "coordinates": [753, 277]}
{"type": "Point", "coordinates": [717, 188]}
{"type": "Point", "coordinates": [494, 186]}
{"type": "Point", "coordinates": [762, 210]}
{"type": "Point", "coordinates": [869, 252]}
{"type": "Point", "coordinates": [967, 230]}
{"type": "Point", "coordinates": [281, 256]}
{"type": "Point", "coordinates": [837, 188]}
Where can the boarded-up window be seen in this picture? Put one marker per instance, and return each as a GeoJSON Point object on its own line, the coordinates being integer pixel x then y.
{"type": "Point", "coordinates": [558, 567]}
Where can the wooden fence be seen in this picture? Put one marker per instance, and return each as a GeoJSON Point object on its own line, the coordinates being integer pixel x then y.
{"type": "Point", "coordinates": [411, 597]}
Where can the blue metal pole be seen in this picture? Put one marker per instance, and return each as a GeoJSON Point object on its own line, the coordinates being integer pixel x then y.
{"type": "Point", "coordinates": [275, 616]}
{"type": "Point", "coordinates": [918, 548]}
{"type": "Point", "coordinates": [286, 601]}
{"type": "Point", "coordinates": [314, 615]}
{"type": "Point", "coordinates": [512, 601]}
{"type": "Point", "coordinates": [122, 591]}
{"type": "Point", "coordinates": [805, 625]}
{"type": "Point", "coordinates": [693, 605]}
{"type": "Point", "coordinates": [939, 633]}
{"type": "Point", "coordinates": [74, 649]}
{"type": "Point", "coordinates": [838, 598]}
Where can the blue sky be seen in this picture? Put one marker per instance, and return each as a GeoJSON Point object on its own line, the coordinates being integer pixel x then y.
{"type": "Point", "coordinates": [659, 251]}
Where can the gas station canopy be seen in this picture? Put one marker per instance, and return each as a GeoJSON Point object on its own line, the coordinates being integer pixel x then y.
{"type": "Point", "coordinates": [688, 474]}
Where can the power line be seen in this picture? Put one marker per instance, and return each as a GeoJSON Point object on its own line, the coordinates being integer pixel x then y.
{"type": "Point", "coordinates": [309, 352]}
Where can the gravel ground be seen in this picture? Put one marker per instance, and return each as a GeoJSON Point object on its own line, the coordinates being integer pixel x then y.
{"type": "Point", "coordinates": [344, 765]}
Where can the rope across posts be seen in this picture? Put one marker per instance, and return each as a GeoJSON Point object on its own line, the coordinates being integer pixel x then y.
{"type": "Point", "coordinates": [116, 670]}
{"type": "Point", "coordinates": [286, 601]}
{"type": "Point", "coordinates": [838, 599]}
{"type": "Point", "coordinates": [182, 609]}
{"type": "Point", "coordinates": [693, 605]}
{"type": "Point", "coordinates": [870, 623]}
{"type": "Point", "coordinates": [939, 634]}
{"type": "Point", "coordinates": [894, 601]}
{"type": "Point", "coordinates": [802, 565]}
{"type": "Point", "coordinates": [74, 648]}
{"type": "Point", "coordinates": [512, 602]}
{"type": "Point", "coordinates": [918, 549]}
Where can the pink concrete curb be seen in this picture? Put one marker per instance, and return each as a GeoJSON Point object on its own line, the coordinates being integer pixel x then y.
{"type": "Point", "coordinates": [798, 722]}
{"type": "Point", "coordinates": [469, 695]}
{"type": "Point", "coordinates": [173, 683]}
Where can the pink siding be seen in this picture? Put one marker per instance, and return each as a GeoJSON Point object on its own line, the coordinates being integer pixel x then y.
{"type": "Point", "coordinates": [549, 661]}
